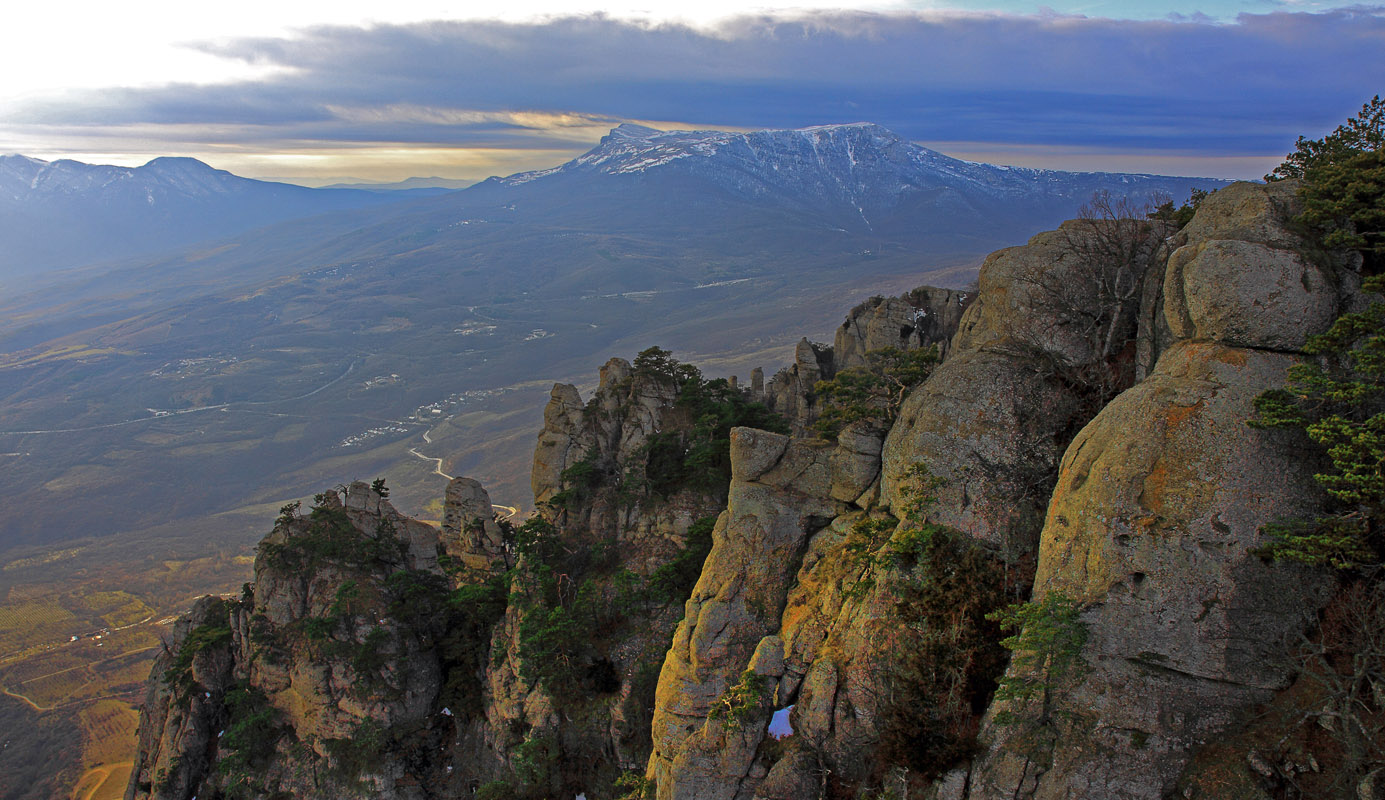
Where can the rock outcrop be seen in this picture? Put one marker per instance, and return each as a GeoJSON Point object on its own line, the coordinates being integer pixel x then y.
{"type": "Point", "coordinates": [1083, 438]}
{"type": "Point", "coordinates": [1159, 506]}
{"type": "Point", "coordinates": [374, 655]}
{"type": "Point", "coordinates": [309, 682]}
{"type": "Point", "coordinates": [779, 498]}
{"type": "Point", "coordinates": [925, 317]}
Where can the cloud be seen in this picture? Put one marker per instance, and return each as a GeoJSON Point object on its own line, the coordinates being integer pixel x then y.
{"type": "Point", "coordinates": [1187, 85]}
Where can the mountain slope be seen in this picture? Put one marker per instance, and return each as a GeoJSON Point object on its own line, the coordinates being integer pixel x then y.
{"type": "Point", "coordinates": [861, 177]}
{"type": "Point", "coordinates": [707, 239]}
{"type": "Point", "coordinates": [66, 213]}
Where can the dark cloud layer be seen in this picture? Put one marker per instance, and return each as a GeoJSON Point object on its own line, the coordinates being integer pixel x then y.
{"type": "Point", "coordinates": [1191, 86]}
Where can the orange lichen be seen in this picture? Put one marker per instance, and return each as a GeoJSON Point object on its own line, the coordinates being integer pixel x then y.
{"type": "Point", "coordinates": [1233, 356]}
{"type": "Point", "coordinates": [1155, 487]}
{"type": "Point", "coordinates": [1178, 415]}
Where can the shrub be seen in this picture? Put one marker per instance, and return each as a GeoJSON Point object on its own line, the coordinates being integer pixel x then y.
{"type": "Point", "coordinates": [1046, 659]}
{"type": "Point", "coordinates": [872, 394]}
{"type": "Point", "coordinates": [673, 581]}
{"type": "Point", "coordinates": [360, 753]}
{"type": "Point", "coordinates": [327, 536]}
{"type": "Point", "coordinates": [743, 700]}
{"type": "Point", "coordinates": [1336, 403]}
{"type": "Point", "coordinates": [937, 657]}
{"type": "Point", "coordinates": [496, 790]}
{"type": "Point", "coordinates": [1178, 217]}
{"type": "Point", "coordinates": [203, 637]}
{"type": "Point", "coordinates": [252, 730]}
{"type": "Point", "coordinates": [692, 451]}
{"type": "Point", "coordinates": [635, 786]}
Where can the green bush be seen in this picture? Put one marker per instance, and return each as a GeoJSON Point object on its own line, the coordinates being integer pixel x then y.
{"type": "Point", "coordinates": [743, 700]}
{"type": "Point", "coordinates": [937, 657]}
{"type": "Point", "coordinates": [673, 581]}
{"type": "Point", "coordinates": [465, 647]}
{"type": "Point", "coordinates": [872, 394]}
{"type": "Point", "coordinates": [327, 536]}
{"type": "Point", "coordinates": [496, 790]}
{"type": "Point", "coordinates": [245, 748]}
{"type": "Point", "coordinates": [536, 762]}
{"type": "Point", "coordinates": [1343, 184]}
{"type": "Point", "coordinates": [947, 653]}
{"type": "Point", "coordinates": [691, 452]}
{"type": "Point", "coordinates": [359, 754]}
{"type": "Point", "coordinates": [635, 786]}
{"type": "Point", "coordinates": [203, 637]}
{"type": "Point", "coordinates": [1046, 661]}
{"type": "Point", "coordinates": [1363, 133]}
{"type": "Point", "coordinates": [1178, 217]}
{"type": "Point", "coordinates": [1336, 401]}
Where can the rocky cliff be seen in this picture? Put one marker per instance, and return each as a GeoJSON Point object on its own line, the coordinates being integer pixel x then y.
{"type": "Point", "coordinates": [1075, 471]}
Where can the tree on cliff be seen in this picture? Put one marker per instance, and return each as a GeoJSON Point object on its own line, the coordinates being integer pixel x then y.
{"type": "Point", "coordinates": [1363, 133]}
{"type": "Point", "coordinates": [1343, 184]}
{"type": "Point", "coordinates": [1095, 297]}
{"type": "Point", "coordinates": [875, 392]}
{"type": "Point", "coordinates": [1338, 401]}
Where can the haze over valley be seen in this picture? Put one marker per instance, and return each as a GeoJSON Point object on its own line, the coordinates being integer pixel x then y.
{"type": "Point", "coordinates": [191, 341]}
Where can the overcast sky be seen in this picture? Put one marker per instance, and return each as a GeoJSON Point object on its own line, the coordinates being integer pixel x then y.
{"type": "Point", "coordinates": [352, 89]}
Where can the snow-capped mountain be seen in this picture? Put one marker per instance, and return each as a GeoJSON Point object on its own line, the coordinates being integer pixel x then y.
{"type": "Point", "coordinates": [766, 191]}
{"type": "Point", "coordinates": [65, 213]}
{"type": "Point", "coordinates": [862, 173]}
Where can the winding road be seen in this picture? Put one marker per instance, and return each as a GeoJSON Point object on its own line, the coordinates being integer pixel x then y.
{"type": "Point", "coordinates": [510, 511]}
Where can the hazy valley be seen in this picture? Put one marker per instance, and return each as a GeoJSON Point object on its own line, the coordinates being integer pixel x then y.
{"type": "Point", "coordinates": [158, 412]}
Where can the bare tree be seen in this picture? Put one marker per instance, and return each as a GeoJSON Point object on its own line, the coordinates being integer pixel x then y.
{"type": "Point", "coordinates": [1091, 297]}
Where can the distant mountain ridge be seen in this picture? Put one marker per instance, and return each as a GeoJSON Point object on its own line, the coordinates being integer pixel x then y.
{"type": "Point", "coordinates": [859, 178]}
{"type": "Point", "coordinates": [415, 185]}
{"type": "Point", "coordinates": [64, 213]}
{"type": "Point", "coordinates": [860, 172]}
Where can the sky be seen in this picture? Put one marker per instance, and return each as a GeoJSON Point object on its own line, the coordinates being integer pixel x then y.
{"type": "Point", "coordinates": [321, 92]}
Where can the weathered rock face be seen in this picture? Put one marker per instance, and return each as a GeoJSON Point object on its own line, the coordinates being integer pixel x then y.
{"type": "Point", "coordinates": [560, 441]}
{"type": "Point", "coordinates": [470, 533]}
{"type": "Point", "coordinates": [790, 391]}
{"type": "Point", "coordinates": [1152, 517]}
{"type": "Point", "coordinates": [607, 432]}
{"type": "Point", "coordinates": [778, 499]}
{"type": "Point", "coordinates": [1159, 503]}
{"type": "Point", "coordinates": [925, 317]}
{"type": "Point", "coordinates": [991, 426]}
{"type": "Point", "coordinates": [992, 420]}
{"type": "Point", "coordinates": [177, 734]}
{"type": "Point", "coordinates": [335, 646]}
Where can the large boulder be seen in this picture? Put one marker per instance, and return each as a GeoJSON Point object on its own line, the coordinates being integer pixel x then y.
{"type": "Point", "coordinates": [470, 533]}
{"type": "Point", "coordinates": [1159, 507]}
{"type": "Point", "coordinates": [1159, 510]}
{"type": "Point", "coordinates": [1242, 277]}
{"type": "Point", "coordinates": [778, 499]}
{"type": "Point", "coordinates": [991, 426]}
{"type": "Point", "coordinates": [560, 443]}
{"type": "Point", "coordinates": [923, 317]}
